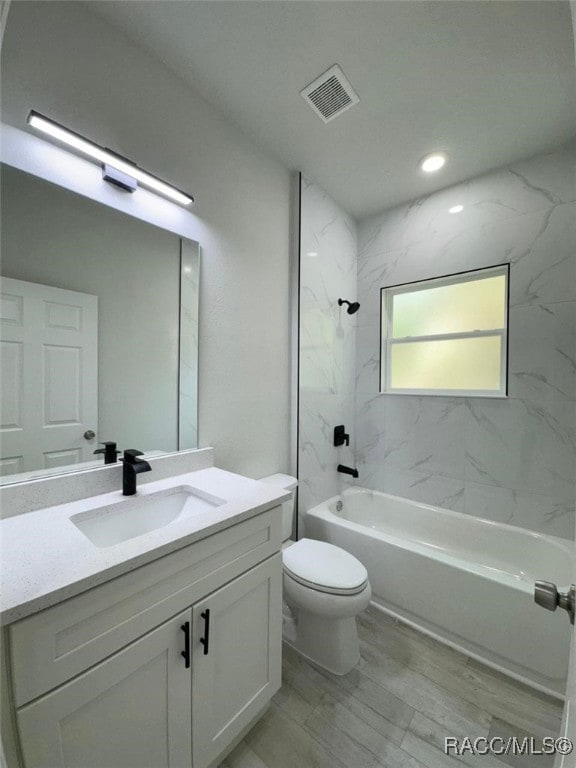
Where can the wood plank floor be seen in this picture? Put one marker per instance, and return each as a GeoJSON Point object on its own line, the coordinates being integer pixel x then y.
{"type": "Point", "coordinates": [394, 709]}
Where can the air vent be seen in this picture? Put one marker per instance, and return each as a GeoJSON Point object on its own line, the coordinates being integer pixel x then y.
{"type": "Point", "coordinates": [330, 94]}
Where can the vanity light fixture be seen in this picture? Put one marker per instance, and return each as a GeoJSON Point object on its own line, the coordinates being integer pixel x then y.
{"type": "Point", "coordinates": [456, 209]}
{"type": "Point", "coordinates": [116, 169]}
{"type": "Point", "coordinates": [433, 162]}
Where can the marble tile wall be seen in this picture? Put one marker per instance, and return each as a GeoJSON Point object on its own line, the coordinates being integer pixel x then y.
{"type": "Point", "coordinates": [511, 460]}
{"type": "Point", "coordinates": [328, 248]}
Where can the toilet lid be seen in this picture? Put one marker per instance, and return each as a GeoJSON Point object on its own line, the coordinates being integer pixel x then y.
{"type": "Point", "coordinates": [324, 567]}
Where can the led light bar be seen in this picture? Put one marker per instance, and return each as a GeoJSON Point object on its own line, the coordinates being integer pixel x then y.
{"type": "Point", "coordinates": [106, 157]}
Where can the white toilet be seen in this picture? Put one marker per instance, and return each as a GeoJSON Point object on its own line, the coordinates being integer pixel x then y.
{"type": "Point", "coordinates": [325, 587]}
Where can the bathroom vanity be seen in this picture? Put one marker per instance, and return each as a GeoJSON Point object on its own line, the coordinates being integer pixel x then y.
{"type": "Point", "coordinates": [158, 650]}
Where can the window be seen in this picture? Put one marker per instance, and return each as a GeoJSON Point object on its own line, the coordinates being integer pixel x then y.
{"type": "Point", "coordinates": [447, 336]}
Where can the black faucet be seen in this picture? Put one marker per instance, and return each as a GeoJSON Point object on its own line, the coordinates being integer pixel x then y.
{"type": "Point", "coordinates": [347, 470]}
{"type": "Point", "coordinates": [132, 467]}
{"type": "Point", "coordinates": [109, 452]}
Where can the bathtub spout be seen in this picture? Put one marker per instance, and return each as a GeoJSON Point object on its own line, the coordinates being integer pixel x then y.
{"type": "Point", "coordinates": [347, 470]}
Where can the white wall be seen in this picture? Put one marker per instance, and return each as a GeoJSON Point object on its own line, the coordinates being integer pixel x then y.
{"type": "Point", "coordinates": [63, 61]}
{"type": "Point", "coordinates": [510, 460]}
{"type": "Point", "coordinates": [328, 248]}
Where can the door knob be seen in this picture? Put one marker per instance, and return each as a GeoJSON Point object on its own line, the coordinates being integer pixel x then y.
{"type": "Point", "coordinates": [546, 595]}
{"type": "Point", "coordinates": [89, 434]}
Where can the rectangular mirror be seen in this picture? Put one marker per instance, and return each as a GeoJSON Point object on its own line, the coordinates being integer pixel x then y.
{"type": "Point", "coordinates": [99, 332]}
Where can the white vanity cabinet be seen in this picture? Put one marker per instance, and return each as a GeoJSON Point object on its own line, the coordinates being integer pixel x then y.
{"type": "Point", "coordinates": [134, 709]}
{"type": "Point", "coordinates": [163, 667]}
{"type": "Point", "coordinates": [236, 672]}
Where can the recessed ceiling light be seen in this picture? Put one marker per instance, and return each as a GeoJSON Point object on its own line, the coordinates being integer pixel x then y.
{"type": "Point", "coordinates": [456, 209]}
{"type": "Point", "coordinates": [433, 162]}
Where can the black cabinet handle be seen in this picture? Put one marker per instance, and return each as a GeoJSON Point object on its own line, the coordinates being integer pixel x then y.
{"type": "Point", "coordinates": [206, 639]}
{"type": "Point", "coordinates": [186, 652]}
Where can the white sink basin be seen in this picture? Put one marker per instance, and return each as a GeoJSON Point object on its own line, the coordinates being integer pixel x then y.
{"type": "Point", "coordinates": [112, 524]}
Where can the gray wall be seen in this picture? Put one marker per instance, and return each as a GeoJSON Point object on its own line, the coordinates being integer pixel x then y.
{"type": "Point", "coordinates": [55, 237]}
{"type": "Point", "coordinates": [64, 61]}
{"type": "Point", "coordinates": [509, 460]}
{"type": "Point", "coordinates": [328, 249]}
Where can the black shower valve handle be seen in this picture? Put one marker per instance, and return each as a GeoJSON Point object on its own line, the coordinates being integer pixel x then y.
{"type": "Point", "coordinates": [341, 437]}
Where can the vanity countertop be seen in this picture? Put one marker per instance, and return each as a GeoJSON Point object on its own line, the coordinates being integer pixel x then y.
{"type": "Point", "coordinates": [47, 559]}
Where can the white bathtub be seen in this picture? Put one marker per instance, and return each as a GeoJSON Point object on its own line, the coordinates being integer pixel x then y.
{"type": "Point", "coordinates": [466, 581]}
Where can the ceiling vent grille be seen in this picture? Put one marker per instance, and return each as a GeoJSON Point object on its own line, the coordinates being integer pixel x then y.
{"type": "Point", "coordinates": [330, 94]}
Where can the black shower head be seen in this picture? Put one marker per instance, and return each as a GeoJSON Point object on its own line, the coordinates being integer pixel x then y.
{"type": "Point", "coordinates": [353, 306]}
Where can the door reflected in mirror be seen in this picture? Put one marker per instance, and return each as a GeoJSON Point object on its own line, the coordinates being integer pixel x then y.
{"type": "Point", "coordinates": [99, 332]}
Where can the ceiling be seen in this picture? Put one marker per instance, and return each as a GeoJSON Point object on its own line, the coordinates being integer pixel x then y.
{"type": "Point", "coordinates": [488, 82]}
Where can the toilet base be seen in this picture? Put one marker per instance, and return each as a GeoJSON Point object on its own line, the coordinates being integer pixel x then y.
{"type": "Point", "coordinates": [329, 643]}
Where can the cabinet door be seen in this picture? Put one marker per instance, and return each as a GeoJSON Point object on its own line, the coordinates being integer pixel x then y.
{"type": "Point", "coordinates": [237, 673]}
{"type": "Point", "coordinates": [131, 711]}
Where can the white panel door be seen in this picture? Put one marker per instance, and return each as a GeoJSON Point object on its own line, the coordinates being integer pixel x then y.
{"type": "Point", "coordinates": [241, 669]}
{"type": "Point", "coordinates": [130, 711]}
{"type": "Point", "coordinates": [48, 376]}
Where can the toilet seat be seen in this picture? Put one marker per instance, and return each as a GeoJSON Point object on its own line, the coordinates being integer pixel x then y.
{"type": "Point", "coordinates": [324, 568]}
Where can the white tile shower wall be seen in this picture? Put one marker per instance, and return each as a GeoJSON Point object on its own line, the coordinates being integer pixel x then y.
{"type": "Point", "coordinates": [328, 253]}
{"type": "Point", "coordinates": [509, 460]}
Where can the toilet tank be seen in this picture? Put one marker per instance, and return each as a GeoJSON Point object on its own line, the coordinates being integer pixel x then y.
{"type": "Point", "coordinates": [289, 483]}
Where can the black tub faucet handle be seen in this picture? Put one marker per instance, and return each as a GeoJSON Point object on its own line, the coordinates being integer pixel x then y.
{"type": "Point", "coordinates": [341, 437]}
{"type": "Point", "coordinates": [347, 470]}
